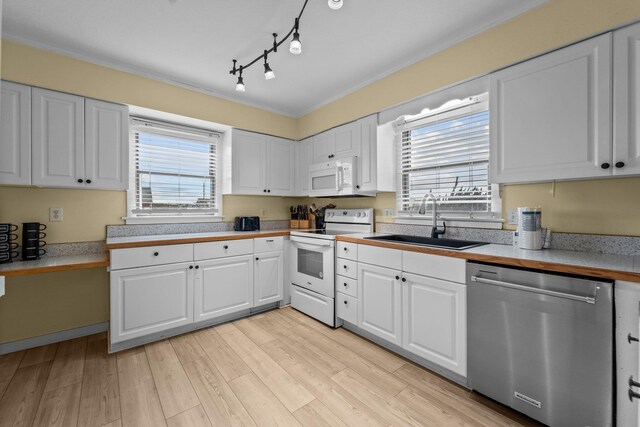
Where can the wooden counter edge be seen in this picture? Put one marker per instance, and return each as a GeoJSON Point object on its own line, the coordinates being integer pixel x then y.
{"type": "Point", "coordinates": [540, 265]}
{"type": "Point", "coordinates": [27, 271]}
{"type": "Point", "coordinates": [204, 239]}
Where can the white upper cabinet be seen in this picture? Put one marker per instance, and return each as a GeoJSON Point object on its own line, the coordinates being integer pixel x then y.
{"type": "Point", "coordinates": [626, 107]}
{"type": "Point", "coordinates": [368, 164]}
{"type": "Point", "coordinates": [347, 140]}
{"type": "Point", "coordinates": [303, 163]}
{"type": "Point", "coordinates": [262, 164]}
{"type": "Point", "coordinates": [78, 142]}
{"type": "Point", "coordinates": [322, 146]}
{"type": "Point", "coordinates": [280, 166]}
{"type": "Point", "coordinates": [551, 116]}
{"type": "Point", "coordinates": [58, 139]}
{"type": "Point", "coordinates": [15, 134]}
{"type": "Point", "coordinates": [106, 145]}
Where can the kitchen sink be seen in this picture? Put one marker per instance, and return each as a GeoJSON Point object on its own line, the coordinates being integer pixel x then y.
{"type": "Point", "coordinates": [454, 244]}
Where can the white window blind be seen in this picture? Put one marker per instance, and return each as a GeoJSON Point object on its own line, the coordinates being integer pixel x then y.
{"type": "Point", "coordinates": [175, 169]}
{"type": "Point", "coordinates": [446, 153]}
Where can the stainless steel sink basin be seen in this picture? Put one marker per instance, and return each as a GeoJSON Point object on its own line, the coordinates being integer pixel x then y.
{"type": "Point", "coordinates": [454, 244]}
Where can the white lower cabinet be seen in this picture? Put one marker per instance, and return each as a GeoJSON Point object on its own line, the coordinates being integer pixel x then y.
{"type": "Point", "coordinates": [380, 302]}
{"type": "Point", "coordinates": [268, 278]}
{"type": "Point", "coordinates": [434, 321]}
{"type": "Point", "coordinates": [150, 299]}
{"type": "Point", "coordinates": [223, 286]}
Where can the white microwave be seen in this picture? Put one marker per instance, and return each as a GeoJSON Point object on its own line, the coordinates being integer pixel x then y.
{"type": "Point", "coordinates": [332, 178]}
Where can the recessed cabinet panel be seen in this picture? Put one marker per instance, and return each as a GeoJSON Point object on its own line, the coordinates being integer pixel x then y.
{"type": "Point", "coordinates": [626, 87]}
{"type": "Point", "coordinates": [149, 300]}
{"type": "Point", "coordinates": [302, 165]}
{"type": "Point", "coordinates": [347, 140]}
{"type": "Point", "coordinates": [380, 302]}
{"type": "Point", "coordinates": [322, 146]}
{"type": "Point", "coordinates": [434, 321]}
{"type": "Point", "coordinates": [249, 163]}
{"type": "Point", "coordinates": [223, 286]}
{"type": "Point", "coordinates": [368, 164]}
{"type": "Point", "coordinates": [106, 145]}
{"type": "Point", "coordinates": [58, 139]}
{"type": "Point", "coordinates": [269, 278]}
{"type": "Point", "coordinates": [15, 134]}
{"type": "Point", "coordinates": [551, 116]}
{"type": "Point", "coordinates": [281, 172]}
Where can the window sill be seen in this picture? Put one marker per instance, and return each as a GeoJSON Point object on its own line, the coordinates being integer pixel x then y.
{"type": "Point", "coordinates": [489, 223]}
{"type": "Point", "coordinates": [171, 219]}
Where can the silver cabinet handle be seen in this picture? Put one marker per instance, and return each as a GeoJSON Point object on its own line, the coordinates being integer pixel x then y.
{"type": "Point", "coordinates": [588, 300]}
{"type": "Point", "coordinates": [631, 338]}
{"type": "Point", "coordinates": [633, 395]}
{"type": "Point", "coordinates": [633, 383]}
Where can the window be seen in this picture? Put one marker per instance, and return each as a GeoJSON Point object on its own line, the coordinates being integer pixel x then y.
{"type": "Point", "coordinates": [174, 170]}
{"type": "Point", "coordinates": [446, 153]}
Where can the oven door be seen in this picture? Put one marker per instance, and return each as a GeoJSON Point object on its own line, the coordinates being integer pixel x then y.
{"type": "Point", "coordinates": [324, 179]}
{"type": "Point", "coordinates": [312, 264]}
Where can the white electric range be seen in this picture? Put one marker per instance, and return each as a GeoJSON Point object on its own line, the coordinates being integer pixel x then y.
{"type": "Point", "coordinates": [313, 261]}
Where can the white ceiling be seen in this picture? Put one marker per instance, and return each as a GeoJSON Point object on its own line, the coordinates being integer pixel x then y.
{"type": "Point", "coordinates": [192, 42]}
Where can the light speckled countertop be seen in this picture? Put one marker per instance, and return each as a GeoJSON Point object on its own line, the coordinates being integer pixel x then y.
{"type": "Point", "coordinates": [609, 266]}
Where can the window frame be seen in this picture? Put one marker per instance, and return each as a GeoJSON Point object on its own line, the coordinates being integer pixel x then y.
{"type": "Point", "coordinates": [182, 131]}
{"type": "Point", "coordinates": [492, 219]}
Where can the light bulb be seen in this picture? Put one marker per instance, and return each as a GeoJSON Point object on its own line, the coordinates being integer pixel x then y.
{"type": "Point", "coordinates": [268, 72]}
{"type": "Point", "coordinates": [335, 4]}
{"type": "Point", "coordinates": [295, 47]}
{"type": "Point", "coordinates": [240, 85]}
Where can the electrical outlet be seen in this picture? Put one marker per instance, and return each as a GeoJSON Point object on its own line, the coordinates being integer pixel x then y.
{"type": "Point", "coordinates": [55, 215]}
{"type": "Point", "coordinates": [512, 216]}
{"type": "Point", "coordinates": [388, 212]}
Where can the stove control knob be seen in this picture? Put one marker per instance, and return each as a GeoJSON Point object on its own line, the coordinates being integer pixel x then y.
{"type": "Point", "coordinates": [359, 214]}
{"type": "Point", "coordinates": [364, 214]}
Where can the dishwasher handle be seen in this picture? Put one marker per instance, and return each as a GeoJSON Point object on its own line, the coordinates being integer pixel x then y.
{"type": "Point", "coordinates": [588, 300]}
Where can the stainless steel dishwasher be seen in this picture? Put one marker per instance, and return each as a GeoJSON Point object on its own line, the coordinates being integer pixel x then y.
{"type": "Point", "coordinates": [542, 343]}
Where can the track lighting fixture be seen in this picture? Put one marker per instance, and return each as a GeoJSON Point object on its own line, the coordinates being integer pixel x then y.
{"type": "Point", "coordinates": [335, 4]}
{"type": "Point", "coordinates": [268, 72]}
{"type": "Point", "coordinates": [295, 47]}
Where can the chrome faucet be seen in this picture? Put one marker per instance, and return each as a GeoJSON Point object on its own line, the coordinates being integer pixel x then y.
{"type": "Point", "coordinates": [435, 232]}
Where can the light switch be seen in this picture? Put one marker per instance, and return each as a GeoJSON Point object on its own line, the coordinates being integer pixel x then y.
{"type": "Point", "coordinates": [55, 215]}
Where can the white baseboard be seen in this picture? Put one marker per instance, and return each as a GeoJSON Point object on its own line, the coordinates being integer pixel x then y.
{"type": "Point", "coordinates": [25, 344]}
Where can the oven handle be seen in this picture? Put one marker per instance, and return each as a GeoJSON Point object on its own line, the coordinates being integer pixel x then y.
{"type": "Point", "coordinates": [305, 244]}
{"type": "Point", "coordinates": [588, 300]}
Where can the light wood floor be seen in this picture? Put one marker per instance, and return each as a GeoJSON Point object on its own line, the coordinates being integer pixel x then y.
{"type": "Point", "coordinates": [277, 368]}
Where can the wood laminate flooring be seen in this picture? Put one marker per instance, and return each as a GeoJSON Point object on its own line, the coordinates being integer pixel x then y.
{"type": "Point", "coordinates": [279, 368]}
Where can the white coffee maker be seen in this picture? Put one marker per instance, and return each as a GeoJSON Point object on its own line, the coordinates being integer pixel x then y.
{"type": "Point", "coordinates": [530, 232]}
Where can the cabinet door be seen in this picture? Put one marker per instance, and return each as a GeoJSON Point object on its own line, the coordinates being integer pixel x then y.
{"type": "Point", "coordinates": [150, 299]}
{"type": "Point", "coordinates": [268, 278]}
{"type": "Point", "coordinates": [15, 134]}
{"type": "Point", "coordinates": [434, 321]}
{"type": "Point", "coordinates": [367, 165]}
{"type": "Point", "coordinates": [551, 116]}
{"type": "Point", "coordinates": [223, 286]}
{"type": "Point", "coordinates": [249, 154]}
{"type": "Point", "coordinates": [280, 169]}
{"type": "Point", "coordinates": [303, 162]}
{"type": "Point", "coordinates": [380, 302]}
{"type": "Point", "coordinates": [106, 145]}
{"type": "Point", "coordinates": [626, 95]}
{"type": "Point", "coordinates": [322, 147]}
{"type": "Point", "coordinates": [58, 139]}
{"type": "Point", "coordinates": [346, 140]}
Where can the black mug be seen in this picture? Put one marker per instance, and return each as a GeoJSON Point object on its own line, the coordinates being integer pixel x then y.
{"type": "Point", "coordinates": [32, 252]}
{"type": "Point", "coordinates": [8, 256]}
{"type": "Point", "coordinates": [7, 237]}
{"type": "Point", "coordinates": [6, 227]}
{"type": "Point", "coordinates": [8, 247]}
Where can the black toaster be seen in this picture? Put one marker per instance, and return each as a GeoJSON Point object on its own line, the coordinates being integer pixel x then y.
{"type": "Point", "coordinates": [247, 223]}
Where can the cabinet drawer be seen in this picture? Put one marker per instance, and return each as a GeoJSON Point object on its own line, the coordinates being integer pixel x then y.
{"type": "Point", "coordinates": [347, 286]}
{"type": "Point", "coordinates": [151, 255]}
{"type": "Point", "coordinates": [347, 251]}
{"type": "Point", "coordinates": [383, 257]}
{"type": "Point", "coordinates": [268, 244]}
{"type": "Point", "coordinates": [222, 249]}
{"type": "Point", "coordinates": [312, 303]}
{"type": "Point", "coordinates": [440, 267]}
{"type": "Point", "coordinates": [347, 268]}
{"type": "Point", "coordinates": [347, 308]}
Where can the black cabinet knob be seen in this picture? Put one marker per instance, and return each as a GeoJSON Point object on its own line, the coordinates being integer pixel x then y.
{"type": "Point", "coordinates": [344, 266]}
{"type": "Point", "coordinates": [605, 165]}
{"type": "Point", "coordinates": [404, 280]}
{"type": "Point", "coordinates": [80, 180]}
{"type": "Point", "coordinates": [156, 253]}
{"type": "Point", "coordinates": [329, 156]}
{"type": "Point", "coordinates": [88, 181]}
{"type": "Point", "coordinates": [257, 259]}
{"type": "Point", "coordinates": [619, 164]}
{"type": "Point", "coordinates": [345, 249]}
{"type": "Point", "coordinates": [345, 285]}
{"type": "Point", "coordinates": [357, 186]}
{"type": "Point", "coordinates": [191, 267]}
{"type": "Point", "coordinates": [264, 191]}
{"type": "Point", "coordinates": [226, 246]}
{"type": "Point", "coordinates": [197, 267]}
{"type": "Point", "coordinates": [397, 277]}
{"type": "Point", "coordinates": [345, 303]}
{"type": "Point", "coordinates": [268, 191]}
